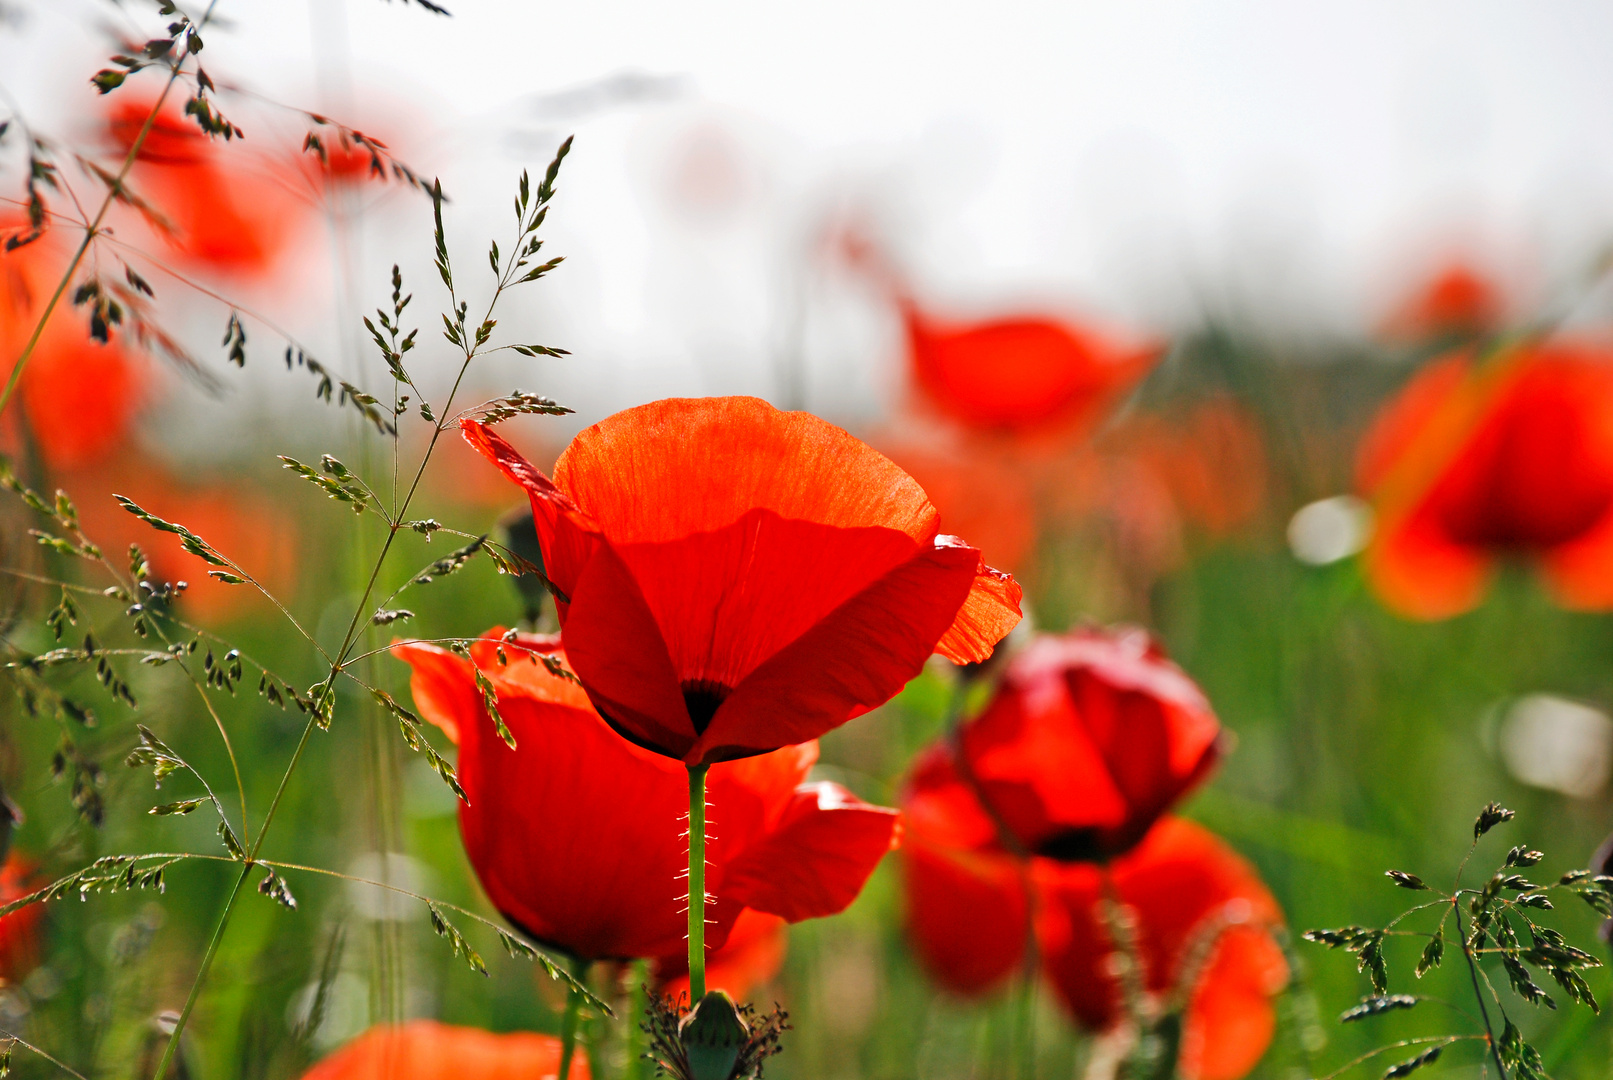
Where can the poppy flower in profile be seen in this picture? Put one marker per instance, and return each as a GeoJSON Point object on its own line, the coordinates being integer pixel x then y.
{"type": "Point", "coordinates": [1203, 922]}
{"type": "Point", "coordinates": [1020, 373]}
{"type": "Point", "coordinates": [752, 956]}
{"type": "Point", "coordinates": [1475, 463]}
{"type": "Point", "coordinates": [79, 395]}
{"type": "Point", "coordinates": [1089, 738]}
{"type": "Point", "coordinates": [607, 885]}
{"type": "Point", "coordinates": [427, 1050]}
{"type": "Point", "coordinates": [219, 207]}
{"type": "Point", "coordinates": [732, 579]}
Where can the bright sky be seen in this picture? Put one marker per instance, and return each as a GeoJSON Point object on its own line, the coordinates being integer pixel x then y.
{"type": "Point", "coordinates": [1138, 159]}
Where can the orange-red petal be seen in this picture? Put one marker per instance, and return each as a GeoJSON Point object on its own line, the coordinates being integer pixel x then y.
{"type": "Point", "coordinates": [428, 1050]}
{"type": "Point", "coordinates": [817, 858]}
{"type": "Point", "coordinates": [854, 659]}
{"type": "Point", "coordinates": [682, 466]}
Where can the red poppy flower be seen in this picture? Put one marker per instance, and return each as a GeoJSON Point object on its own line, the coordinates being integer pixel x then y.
{"type": "Point", "coordinates": [220, 207]}
{"type": "Point", "coordinates": [608, 884]}
{"type": "Point", "coordinates": [1018, 374]}
{"type": "Point", "coordinates": [1202, 920]}
{"type": "Point", "coordinates": [732, 579]}
{"type": "Point", "coordinates": [427, 1050]}
{"type": "Point", "coordinates": [1456, 302]}
{"type": "Point", "coordinates": [752, 956]}
{"type": "Point", "coordinates": [80, 395]}
{"type": "Point", "coordinates": [19, 931]}
{"type": "Point", "coordinates": [1471, 463]}
{"type": "Point", "coordinates": [1091, 736]}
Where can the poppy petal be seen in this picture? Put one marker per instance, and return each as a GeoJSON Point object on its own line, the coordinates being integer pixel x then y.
{"type": "Point", "coordinates": [1231, 1017]}
{"type": "Point", "coordinates": [966, 914]}
{"type": "Point", "coordinates": [987, 615]}
{"type": "Point", "coordinates": [568, 537]}
{"type": "Point", "coordinates": [1580, 572]}
{"type": "Point", "coordinates": [682, 466]}
{"type": "Point", "coordinates": [814, 863]}
{"type": "Point", "coordinates": [1421, 573]}
{"type": "Point", "coordinates": [727, 599]}
{"type": "Point", "coordinates": [428, 1050]}
{"type": "Point", "coordinates": [853, 660]}
{"type": "Point", "coordinates": [1186, 889]}
{"type": "Point", "coordinates": [617, 651]}
{"type": "Point", "coordinates": [441, 685]}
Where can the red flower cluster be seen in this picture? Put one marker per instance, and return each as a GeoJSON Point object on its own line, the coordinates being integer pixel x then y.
{"type": "Point", "coordinates": [1474, 462]}
{"type": "Point", "coordinates": [607, 885]}
{"type": "Point", "coordinates": [732, 579]}
{"type": "Point", "coordinates": [427, 1050]}
{"type": "Point", "coordinates": [1053, 797]}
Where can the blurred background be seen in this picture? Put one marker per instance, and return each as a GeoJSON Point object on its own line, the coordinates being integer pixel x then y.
{"type": "Point", "coordinates": [1124, 286]}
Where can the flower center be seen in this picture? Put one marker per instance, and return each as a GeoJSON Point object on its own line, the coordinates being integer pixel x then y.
{"type": "Point", "coordinates": [701, 697]}
{"type": "Point", "coordinates": [1073, 845]}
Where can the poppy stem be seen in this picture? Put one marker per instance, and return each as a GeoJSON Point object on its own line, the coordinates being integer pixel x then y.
{"type": "Point", "coordinates": [697, 883]}
{"type": "Point", "coordinates": [1025, 1025]}
{"type": "Point", "coordinates": [568, 1022]}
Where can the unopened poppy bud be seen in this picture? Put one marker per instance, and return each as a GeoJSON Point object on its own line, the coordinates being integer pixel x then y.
{"type": "Point", "coordinates": [713, 1034]}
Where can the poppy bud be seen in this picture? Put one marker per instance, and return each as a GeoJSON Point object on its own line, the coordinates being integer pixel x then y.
{"type": "Point", "coordinates": [715, 1040]}
{"type": "Point", "coordinates": [712, 1036]}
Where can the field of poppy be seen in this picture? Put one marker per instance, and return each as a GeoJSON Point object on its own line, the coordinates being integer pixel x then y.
{"type": "Point", "coordinates": [1121, 703]}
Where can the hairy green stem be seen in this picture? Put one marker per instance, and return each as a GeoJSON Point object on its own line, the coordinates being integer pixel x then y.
{"type": "Point", "coordinates": [697, 883]}
{"type": "Point", "coordinates": [568, 1023]}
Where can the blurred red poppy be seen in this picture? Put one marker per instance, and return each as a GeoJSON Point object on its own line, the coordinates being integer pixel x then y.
{"type": "Point", "coordinates": [344, 161]}
{"type": "Point", "coordinates": [1210, 457]}
{"type": "Point", "coordinates": [1202, 922]}
{"type": "Point", "coordinates": [19, 931]}
{"type": "Point", "coordinates": [79, 395]}
{"type": "Point", "coordinates": [1474, 462]}
{"type": "Point", "coordinates": [1457, 302]}
{"type": "Point", "coordinates": [427, 1050]}
{"type": "Point", "coordinates": [216, 206]}
{"type": "Point", "coordinates": [229, 515]}
{"type": "Point", "coordinates": [979, 495]}
{"type": "Point", "coordinates": [1020, 374]}
{"type": "Point", "coordinates": [607, 884]}
{"type": "Point", "coordinates": [752, 956]}
{"type": "Point", "coordinates": [1091, 736]}
{"type": "Point", "coordinates": [732, 579]}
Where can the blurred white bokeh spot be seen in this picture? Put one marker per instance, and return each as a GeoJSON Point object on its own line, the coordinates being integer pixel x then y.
{"type": "Point", "coordinates": [1328, 530]}
{"type": "Point", "coordinates": [1554, 743]}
